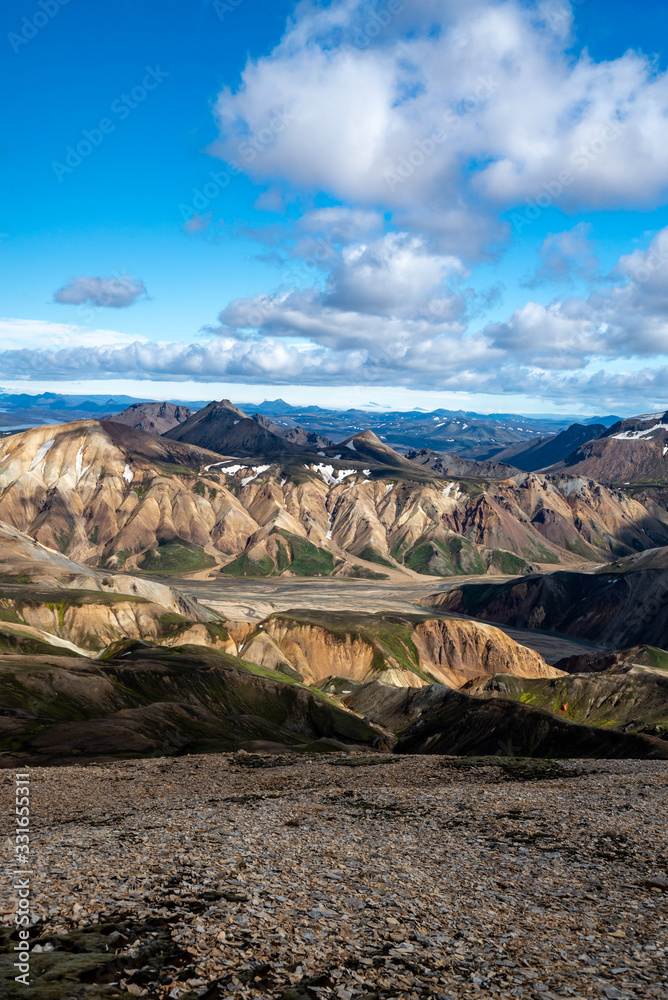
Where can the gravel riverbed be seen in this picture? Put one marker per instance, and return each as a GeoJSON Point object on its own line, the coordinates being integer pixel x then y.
{"type": "Point", "coordinates": [345, 877]}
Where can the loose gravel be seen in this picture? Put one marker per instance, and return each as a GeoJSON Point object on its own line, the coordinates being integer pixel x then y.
{"type": "Point", "coordinates": [346, 877]}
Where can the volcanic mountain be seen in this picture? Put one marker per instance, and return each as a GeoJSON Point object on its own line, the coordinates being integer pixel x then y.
{"type": "Point", "coordinates": [620, 609]}
{"type": "Point", "coordinates": [111, 496]}
{"type": "Point", "coordinates": [454, 466]}
{"type": "Point", "coordinates": [223, 428]}
{"type": "Point", "coordinates": [155, 418]}
{"type": "Point", "coordinates": [367, 447]}
{"type": "Point", "coordinates": [631, 451]}
{"type": "Point", "coordinates": [439, 720]}
{"type": "Point", "coordinates": [295, 434]}
{"type": "Point", "coordinates": [547, 451]}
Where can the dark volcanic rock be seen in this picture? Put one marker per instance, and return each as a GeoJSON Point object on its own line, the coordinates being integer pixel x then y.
{"type": "Point", "coordinates": [159, 701]}
{"type": "Point", "coordinates": [438, 720]}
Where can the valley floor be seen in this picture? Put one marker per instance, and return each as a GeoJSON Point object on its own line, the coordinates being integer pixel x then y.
{"type": "Point", "coordinates": [348, 877]}
{"type": "Point", "coordinates": [241, 599]}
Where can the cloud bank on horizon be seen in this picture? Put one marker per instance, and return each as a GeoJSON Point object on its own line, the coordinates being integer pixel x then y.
{"type": "Point", "coordinates": [401, 152]}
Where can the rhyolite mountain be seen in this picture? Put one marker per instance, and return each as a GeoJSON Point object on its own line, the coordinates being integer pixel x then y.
{"type": "Point", "coordinates": [111, 496]}
{"type": "Point", "coordinates": [404, 650]}
{"type": "Point", "coordinates": [170, 676]}
{"type": "Point", "coordinates": [631, 451]}
{"type": "Point", "coordinates": [155, 418]}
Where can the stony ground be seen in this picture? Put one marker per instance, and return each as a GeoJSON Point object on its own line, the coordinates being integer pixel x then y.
{"type": "Point", "coordinates": [347, 877]}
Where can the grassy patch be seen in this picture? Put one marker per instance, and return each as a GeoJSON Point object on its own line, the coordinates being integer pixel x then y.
{"type": "Point", "coordinates": [306, 558]}
{"type": "Point", "coordinates": [177, 557]}
{"type": "Point", "coordinates": [507, 562]}
{"type": "Point", "coordinates": [449, 557]}
{"type": "Point", "coordinates": [244, 565]}
{"type": "Point", "coordinates": [362, 573]}
{"type": "Point", "coordinates": [63, 539]}
{"type": "Point", "coordinates": [374, 556]}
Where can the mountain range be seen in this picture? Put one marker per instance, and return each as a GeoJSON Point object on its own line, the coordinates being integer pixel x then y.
{"type": "Point", "coordinates": [301, 682]}
{"type": "Point", "coordinates": [440, 429]}
{"type": "Point", "coordinates": [97, 516]}
{"type": "Point", "coordinates": [109, 495]}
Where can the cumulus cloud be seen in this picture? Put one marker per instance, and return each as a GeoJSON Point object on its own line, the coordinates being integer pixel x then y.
{"type": "Point", "coordinates": [391, 291]}
{"type": "Point", "coordinates": [447, 103]}
{"type": "Point", "coordinates": [627, 320]}
{"type": "Point", "coordinates": [444, 365]}
{"type": "Point", "coordinates": [565, 257]}
{"type": "Point", "coordinates": [115, 293]}
{"type": "Point", "coordinates": [34, 333]}
{"type": "Point", "coordinates": [392, 313]}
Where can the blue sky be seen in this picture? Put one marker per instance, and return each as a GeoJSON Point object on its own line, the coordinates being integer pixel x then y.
{"type": "Point", "coordinates": [436, 203]}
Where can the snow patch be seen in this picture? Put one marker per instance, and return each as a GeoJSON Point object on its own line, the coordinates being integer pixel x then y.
{"type": "Point", "coordinates": [331, 475]}
{"type": "Point", "coordinates": [449, 488]}
{"type": "Point", "coordinates": [229, 471]}
{"type": "Point", "coordinates": [257, 471]}
{"type": "Point", "coordinates": [351, 445]}
{"type": "Point", "coordinates": [637, 435]}
{"type": "Point", "coordinates": [128, 474]}
{"type": "Point", "coordinates": [40, 453]}
{"type": "Point", "coordinates": [78, 465]}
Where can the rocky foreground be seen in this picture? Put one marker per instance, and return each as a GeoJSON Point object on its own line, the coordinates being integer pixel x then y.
{"type": "Point", "coordinates": [347, 876]}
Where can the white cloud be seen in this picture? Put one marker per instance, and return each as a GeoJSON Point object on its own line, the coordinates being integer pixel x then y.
{"type": "Point", "coordinates": [376, 322]}
{"type": "Point", "coordinates": [341, 224]}
{"type": "Point", "coordinates": [625, 321]}
{"type": "Point", "coordinates": [36, 334]}
{"type": "Point", "coordinates": [564, 257]}
{"type": "Point", "coordinates": [391, 292]}
{"type": "Point", "coordinates": [476, 100]}
{"type": "Point", "coordinates": [114, 293]}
